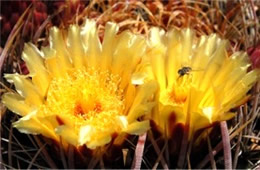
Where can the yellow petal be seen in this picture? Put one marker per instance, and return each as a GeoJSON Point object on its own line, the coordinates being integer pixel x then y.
{"type": "Point", "coordinates": [129, 97]}
{"type": "Point", "coordinates": [213, 66]}
{"type": "Point", "coordinates": [204, 51]}
{"type": "Point", "coordinates": [121, 56]}
{"type": "Point", "coordinates": [68, 134]}
{"type": "Point", "coordinates": [237, 92]}
{"type": "Point", "coordinates": [25, 88]}
{"type": "Point", "coordinates": [223, 75]}
{"type": "Point", "coordinates": [198, 121]}
{"type": "Point", "coordinates": [122, 121]}
{"type": "Point", "coordinates": [226, 116]}
{"type": "Point", "coordinates": [139, 111]}
{"type": "Point", "coordinates": [101, 140]}
{"type": "Point", "coordinates": [156, 36]}
{"type": "Point", "coordinates": [76, 49]}
{"type": "Point", "coordinates": [144, 92]}
{"type": "Point", "coordinates": [30, 124]}
{"type": "Point", "coordinates": [57, 42]}
{"type": "Point", "coordinates": [201, 58]}
{"type": "Point", "coordinates": [251, 77]}
{"type": "Point", "coordinates": [136, 51]}
{"type": "Point", "coordinates": [92, 43]}
{"type": "Point", "coordinates": [187, 42]}
{"type": "Point", "coordinates": [16, 104]}
{"type": "Point", "coordinates": [138, 78]}
{"type": "Point", "coordinates": [157, 54]}
{"type": "Point", "coordinates": [33, 54]}
{"type": "Point", "coordinates": [108, 45]}
{"type": "Point", "coordinates": [38, 72]}
{"type": "Point", "coordinates": [137, 128]}
{"type": "Point", "coordinates": [85, 134]}
{"type": "Point", "coordinates": [234, 78]}
{"type": "Point", "coordinates": [240, 59]}
{"type": "Point", "coordinates": [168, 110]}
{"type": "Point", "coordinates": [174, 56]}
{"type": "Point", "coordinates": [52, 62]}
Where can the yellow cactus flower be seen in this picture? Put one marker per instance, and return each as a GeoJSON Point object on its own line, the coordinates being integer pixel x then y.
{"type": "Point", "coordinates": [198, 81]}
{"type": "Point", "coordinates": [79, 89]}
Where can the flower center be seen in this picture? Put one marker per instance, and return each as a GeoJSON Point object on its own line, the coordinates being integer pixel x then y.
{"type": "Point", "coordinates": [87, 97]}
{"type": "Point", "coordinates": [177, 94]}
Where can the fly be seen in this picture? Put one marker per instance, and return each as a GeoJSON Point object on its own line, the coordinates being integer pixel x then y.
{"type": "Point", "coordinates": [184, 70]}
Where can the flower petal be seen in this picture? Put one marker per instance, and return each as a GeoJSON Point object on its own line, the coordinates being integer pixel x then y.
{"type": "Point", "coordinates": [144, 92]}
{"type": "Point", "coordinates": [57, 42]}
{"type": "Point", "coordinates": [16, 104]}
{"type": "Point", "coordinates": [52, 62]}
{"type": "Point", "coordinates": [214, 65]}
{"type": "Point", "coordinates": [138, 78]}
{"type": "Point", "coordinates": [156, 53]}
{"type": "Point", "coordinates": [68, 134]}
{"type": "Point", "coordinates": [139, 111]}
{"type": "Point", "coordinates": [25, 88]}
{"type": "Point", "coordinates": [38, 72]}
{"type": "Point", "coordinates": [137, 128]}
{"type": "Point", "coordinates": [121, 57]}
{"type": "Point", "coordinates": [85, 134]}
{"type": "Point", "coordinates": [75, 46]}
{"type": "Point", "coordinates": [100, 141]}
{"type": "Point", "coordinates": [135, 52]}
{"type": "Point", "coordinates": [30, 124]}
{"type": "Point", "coordinates": [108, 45]}
{"type": "Point", "coordinates": [90, 39]}
{"type": "Point", "coordinates": [174, 56]}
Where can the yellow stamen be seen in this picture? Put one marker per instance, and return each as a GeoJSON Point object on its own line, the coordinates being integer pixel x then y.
{"type": "Point", "coordinates": [87, 97]}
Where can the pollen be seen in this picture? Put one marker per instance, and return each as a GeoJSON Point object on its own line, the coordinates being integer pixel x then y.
{"type": "Point", "coordinates": [88, 97]}
{"type": "Point", "coordinates": [177, 94]}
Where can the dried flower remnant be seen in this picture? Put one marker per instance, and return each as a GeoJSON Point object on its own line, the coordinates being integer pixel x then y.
{"type": "Point", "coordinates": [79, 90]}
{"type": "Point", "coordinates": [70, 9]}
{"type": "Point", "coordinates": [12, 10]}
{"type": "Point", "coordinates": [254, 53]}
